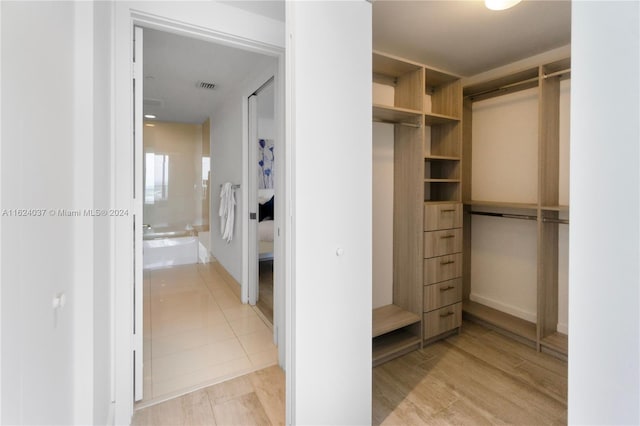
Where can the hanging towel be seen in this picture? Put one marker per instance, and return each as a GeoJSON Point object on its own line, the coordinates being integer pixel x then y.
{"type": "Point", "coordinates": [227, 207]}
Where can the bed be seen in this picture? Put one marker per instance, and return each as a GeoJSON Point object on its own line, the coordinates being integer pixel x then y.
{"type": "Point", "coordinates": [265, 224]}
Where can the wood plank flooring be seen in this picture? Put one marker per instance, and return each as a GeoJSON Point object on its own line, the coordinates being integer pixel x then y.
{"type": "Point", "coordinates": [255, 399]}
{"type": "Point", "coordinates": [265, 289]}
{"type": "Point", "coordinates": [477, 377]}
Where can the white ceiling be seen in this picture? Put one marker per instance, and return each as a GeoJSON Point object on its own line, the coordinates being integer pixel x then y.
{"type": "Point", "coordinates": [173, 65]}
{"type": "Point", "coordinates": [464, 37]}
{"type": "Point", "coordinates": [459, 36]}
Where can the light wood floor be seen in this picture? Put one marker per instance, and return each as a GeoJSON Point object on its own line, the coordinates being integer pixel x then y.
{"type": "Point", "coordinates": [265, 289]}
{"type": "Point", "coordinates": [477, 377]}
{"type": "Point", "coordinates": [255, 399]}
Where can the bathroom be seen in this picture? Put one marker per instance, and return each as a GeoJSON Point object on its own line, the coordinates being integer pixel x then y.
{"type": "Point", "coordinates": [176, 168]}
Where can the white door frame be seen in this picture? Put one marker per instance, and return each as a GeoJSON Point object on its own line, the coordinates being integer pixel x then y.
{"type": "Point", "coordinates": [252, 193]}
{"type": "Point", "coordinates": [122, 171]}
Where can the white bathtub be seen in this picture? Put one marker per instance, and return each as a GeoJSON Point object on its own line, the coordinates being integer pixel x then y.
{"type": "Point", "coordinates": [163, 252]}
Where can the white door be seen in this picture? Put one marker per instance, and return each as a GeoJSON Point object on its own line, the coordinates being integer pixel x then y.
{"type": "Point", "coordinates": [138, 197]}
{"type": "Point", "coordinates": [252, 187]}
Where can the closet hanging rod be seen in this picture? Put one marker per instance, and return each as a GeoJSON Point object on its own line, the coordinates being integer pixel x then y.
{"type": "Point", "coordinates": [505, 87]}
{"type": "Point", "coordinates": [233, 186]}
{"type": "Point", "coordinates": [561, 72]}
{"type": "Point", "coordinates": [506, 215]}
{"type": "Point", "coordinates": [400, 123]}
{"type": "Point", "coordinates": [552, 220]}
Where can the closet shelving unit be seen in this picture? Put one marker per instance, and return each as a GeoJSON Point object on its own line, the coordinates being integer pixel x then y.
{"type": "Point", "coordinates": [427, 176]}
{"type": "Point", "coordinates": [547, 212]}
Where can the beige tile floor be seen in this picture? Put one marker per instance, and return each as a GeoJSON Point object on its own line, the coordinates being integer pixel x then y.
{"type": "Point", "coordinates": [197, 333]}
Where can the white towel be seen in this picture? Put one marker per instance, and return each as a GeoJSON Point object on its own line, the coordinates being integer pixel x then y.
{"type": "Point", "coordinates": [227, 206]}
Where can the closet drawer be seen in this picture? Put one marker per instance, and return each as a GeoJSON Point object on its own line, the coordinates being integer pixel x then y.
{"type": "Point", "coordinates": [442, 216]}
{"type": "Point", "coordinates": [439, 243]}
{"type": "Point", "coordinates": [442, 294]}
{"type": "Point", "coordinates": [442, 268]}
{"type": "Point", "coordinates": [441, 320]}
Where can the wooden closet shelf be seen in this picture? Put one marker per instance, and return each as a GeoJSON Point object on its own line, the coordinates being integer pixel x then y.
{"type": "Point", "coordinates": [392, 317]}
{"type": "Point", "coordinates": [441, 158]}
{"type": "Point", "coordinates": [432, 119]}
{"type": "Point", "coordinates": [391, 114]}
{"type": "Point", "coordinates": [556, 341]}
{"type": "Point", "coordinates": [499, 319]}
{"type": "Point", "coordinates": [556, 208]}
{"type": "Point", "coordinates": [502, 204]}
{"type": "Point", "coordinates": [392, 344]}
{"type": "Point", "coordinates": [441, 180]}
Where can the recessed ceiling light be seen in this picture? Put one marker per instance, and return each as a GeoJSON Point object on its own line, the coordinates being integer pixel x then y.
{"type": "Point", "coordinates": [500, 4]}
{"type": "Point", "coordinates": [149, 116]}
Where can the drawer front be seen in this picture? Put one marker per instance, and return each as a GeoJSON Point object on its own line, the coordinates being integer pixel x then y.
{"type": "Point", "coordinates": [439, 243]}
{"type": "Point", "coordinates": [442, 268]}
{"type": "Point", "coordinates": [442, 216]}
{"type": "Point", "coordinates": [442, 294]}
{"type": "Point", "coordinates": [445, 319]}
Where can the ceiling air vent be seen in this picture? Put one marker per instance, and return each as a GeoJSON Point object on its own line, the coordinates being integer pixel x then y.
{"type": "Point", "coordinates": [206, 85]}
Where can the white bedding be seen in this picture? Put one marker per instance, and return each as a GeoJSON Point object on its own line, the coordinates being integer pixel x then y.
{"type": "Point", "coordinates": [265, 230]}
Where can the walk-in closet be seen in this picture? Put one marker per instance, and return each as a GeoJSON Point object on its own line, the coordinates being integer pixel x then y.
{"type": "Point", "coordinates": [471, 202]}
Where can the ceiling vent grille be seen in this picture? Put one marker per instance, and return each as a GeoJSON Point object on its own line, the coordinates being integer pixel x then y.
{"type": "Point", "coordinates": [206, 85]}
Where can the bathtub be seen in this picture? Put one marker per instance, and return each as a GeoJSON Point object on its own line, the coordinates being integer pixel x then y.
{"type": "Point", "coordinates": [163, 252]}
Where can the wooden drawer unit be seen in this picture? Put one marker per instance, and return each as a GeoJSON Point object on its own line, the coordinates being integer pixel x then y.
{"type": "Point", "coordinates": [442, 216]}
{"type": "Point", "coordinates": [442, 320]}
{"type": "Point", "coordinates": [442, 294]}
{"type": "Point", "coordinates": [442, 268]}
{"type": "Point", "coordinates": [439, 243]}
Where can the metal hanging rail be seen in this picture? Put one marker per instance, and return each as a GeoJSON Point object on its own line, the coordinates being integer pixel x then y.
{"type": "Point", "coordinates": [561, 72]}
{"type": "Point", "coordinates": [233, 186]}
{"type": "Point", "coordinates": [417, 126]}
{"type": "Point", "coordinates": [506, 215]}
{"type": "Point", "coordinates": [553, 220]}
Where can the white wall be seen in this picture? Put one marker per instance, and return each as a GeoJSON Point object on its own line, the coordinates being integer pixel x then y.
{"type": "Point", "coordinates": [329, 94]}
{"type": "Point", "coordinates": [227, 129]}
{"type": "Point", "coordinates": [56, 143]}
{"type": "Point", "coordinates": [604, 275]}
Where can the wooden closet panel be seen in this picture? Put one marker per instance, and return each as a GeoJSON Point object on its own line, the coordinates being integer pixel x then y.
{"type": "Point", "coordinates": [549, 139]}
{"type": "Point", "coordinates": [446, 99]}
{"type": "Point", "coordinates": [442, 216]}
{"type": "Point", "coordinates": [445, 140]}
{"type": "Point", "coordinates": [442, 268]}
{"type": "Point", "coordinates": [407, 223]}
{"type": "Point", "coordinates": [442, 320]}
{"type": "Point", "coordinates": [439, 243]}
{"type": "Point", "coordinates": [408, 90]}
{"type": "Point", "coordinates": [547, 276]}
{"type": "Point", "coordinates": [442, 294]}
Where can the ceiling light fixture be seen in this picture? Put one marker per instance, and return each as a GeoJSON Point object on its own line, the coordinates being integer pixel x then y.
{"type": "Point", "coordinates": [500, 4]}
{"type": "Point", "coordinates": [149, 116]}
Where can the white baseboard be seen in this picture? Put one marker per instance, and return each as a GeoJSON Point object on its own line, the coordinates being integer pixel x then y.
{"type": "Point", "coordinates": [503, 307]}
{"type": "Point", "coordinates": [563, 328]}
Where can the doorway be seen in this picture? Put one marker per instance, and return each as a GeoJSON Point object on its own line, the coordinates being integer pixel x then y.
{"type": "Point", "coordinates": [196, 330]}
{"type": "Point", "coordinates": [263, 150]}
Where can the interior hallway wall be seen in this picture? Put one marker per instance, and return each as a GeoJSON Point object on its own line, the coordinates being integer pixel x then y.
{"type": "Point", "coordinates": [56, 363]}
{"type": "Point", "coordinates": [227, 129]}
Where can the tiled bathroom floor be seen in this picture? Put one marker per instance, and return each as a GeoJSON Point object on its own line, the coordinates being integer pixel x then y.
{"type": "Point", "coordinates": [196, 332]}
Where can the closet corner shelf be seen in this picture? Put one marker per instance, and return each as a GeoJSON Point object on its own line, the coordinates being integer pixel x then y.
{"type": "Point", "coordinates": [433, 119]}
{"type": "Point", "coordinates": [557, 341]}
{"type": "Point", "coordinates": [392, 317]}
{"type": "Point", "coordinates": [396, 115]}
{"type": "Point", "coordinates": [441, 158]}
{"type": "Point", "coordinates": [392, 345]}
{"type": "Point", "coordinates": [501, 320]}
{"type": "Point", "coordinates": [501, 204]}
